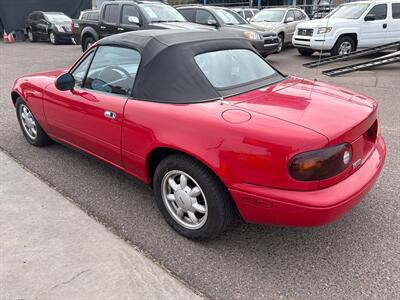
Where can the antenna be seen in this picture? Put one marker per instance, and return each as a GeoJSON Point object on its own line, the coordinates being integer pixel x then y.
{"type": "Point", "coordinates": [320, 52]}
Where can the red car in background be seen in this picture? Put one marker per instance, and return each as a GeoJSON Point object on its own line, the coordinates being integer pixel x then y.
{"type": "Point", "coordinates": [212, 127]}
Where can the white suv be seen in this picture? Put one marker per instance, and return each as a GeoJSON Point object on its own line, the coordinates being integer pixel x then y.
{"type": "Point", "coordinates": [350, 26]}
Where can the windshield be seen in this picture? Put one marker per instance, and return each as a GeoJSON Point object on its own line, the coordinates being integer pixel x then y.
{"type": "Point", "coordinates": [230, 68]}
{"type": "Point", "coordinates": [269, 15]}
{"type": "Point", "coordinates": [349, 11]}
{"type": "Point", "coordinates": [57, 18]}
{"type": "Point", "coordinates": [161, 13]}
{"type": "Point", "coordinates": [229, 17]}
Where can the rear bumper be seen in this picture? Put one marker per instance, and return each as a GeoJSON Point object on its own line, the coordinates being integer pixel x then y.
{"type": "Point", "coordinates": [308, 208]}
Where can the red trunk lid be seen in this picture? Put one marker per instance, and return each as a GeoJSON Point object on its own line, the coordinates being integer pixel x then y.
{"type": "Point", "coordinates": [339, 114]}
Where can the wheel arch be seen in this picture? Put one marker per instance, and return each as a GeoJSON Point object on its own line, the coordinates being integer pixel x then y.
{"type": "Point", "coordinates": [14, 96]}
{"type": "Point", "coordinates": [160, 153]}
{"type": "Point", "coordinates": [353, 35]}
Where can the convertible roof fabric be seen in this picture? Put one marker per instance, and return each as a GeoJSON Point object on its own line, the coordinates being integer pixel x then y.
{"type": "Point", "coordinates": [168, 72]}
{"type": "Point", "coordinates": [13, 13]}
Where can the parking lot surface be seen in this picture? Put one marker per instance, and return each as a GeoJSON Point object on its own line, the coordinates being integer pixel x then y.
{"type": "Point", "coordinates": [358, 257]}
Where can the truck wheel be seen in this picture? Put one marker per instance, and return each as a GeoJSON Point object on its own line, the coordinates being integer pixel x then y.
{"type": "Point", "coordinates": [191, 198]}
{"type": "Point", "coordinates": [87, 43]}
{"type": "Point", "coordinates": [344, 45]}
{"type": "Point", "coordinates": [305, 51]}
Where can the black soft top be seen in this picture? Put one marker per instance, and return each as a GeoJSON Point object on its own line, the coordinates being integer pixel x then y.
{"type": "Point", "coordinates": [168, 72]}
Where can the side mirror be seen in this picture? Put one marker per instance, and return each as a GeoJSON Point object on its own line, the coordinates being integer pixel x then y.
{"type": "Point", "coordinates": [65, 82]}
{"type": "Point", "coordinates": [289, 20]}
{"type": "Point", "coordinates": [133, 19]}
{"type": "Point", "coordinates": [212, 22]}
{"type": "Point", "coordinates": [369, 18]}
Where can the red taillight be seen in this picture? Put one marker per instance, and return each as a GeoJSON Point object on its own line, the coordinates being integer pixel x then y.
{"type": "Point", "coordinates": [321, 164]}
{"type": "Point", "coordinates": [72, 26]}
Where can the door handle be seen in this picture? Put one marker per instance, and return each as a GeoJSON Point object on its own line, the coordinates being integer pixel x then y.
{"type": "Point", "coordinates": [110, 114]}
{"type": "Point", "coordinates": [384, 25]}
{"type": "Point", "coordinates": [102, 27]}
{"type": "Point", "coordinates": [120, 29]}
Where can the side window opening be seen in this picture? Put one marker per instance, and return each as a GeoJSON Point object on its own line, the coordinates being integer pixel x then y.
{"type": "Point", "coordinates": [379, 11]}
{"type": "Point", "coordinates": [80, 72]}
{"type": "Point", "coordinates": [396, 10]}
{"type": "Point", "coordinates": [113, 70]}
{"type": "Point", "coordinates": [129, 11]}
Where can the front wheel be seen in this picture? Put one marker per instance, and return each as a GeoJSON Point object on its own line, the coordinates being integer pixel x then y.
{"type": "Point", "coordinates": [344, 45]}
{"type": "Point", "coordinates": [53, 38]}
{"type": "Point", "coordinates": [31, 129]}
{"type": "Point", "coordinates": [31, 36]}
{"type": "Point", "coordinates": [281, 39]}
{"type": "Point", "coordinates": [191, 198]}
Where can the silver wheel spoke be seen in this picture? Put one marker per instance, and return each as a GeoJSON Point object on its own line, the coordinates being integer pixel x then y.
{"type": "Point", "coordinates": [179, 212]}
{"type": "Point", "coordinates": [195, 192]}
{"type": "Point", "coordinates": [171, 197]}
{"type": "Point", "coordinates": [199, 207]}
{"type": "Point", "coordinates": [193, 217]}
{"type": "Point", "coordinates": [183, 181]}
{"type": "Point", "coordinates": [173, 184]}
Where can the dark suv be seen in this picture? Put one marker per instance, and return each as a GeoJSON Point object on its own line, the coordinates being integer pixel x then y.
{"type": "Point", "coordinates": [122, 16]}
{"type": "Point", "coordinates": [225, 19]}
{"type": "Point", "coordinates": [50, 26]}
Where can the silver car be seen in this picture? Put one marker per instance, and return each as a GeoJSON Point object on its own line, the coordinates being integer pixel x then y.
{"type": "Point", "coordinates": [282, 21]}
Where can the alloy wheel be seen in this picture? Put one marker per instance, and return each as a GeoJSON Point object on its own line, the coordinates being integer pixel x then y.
{"type": "Point", "coordinates": [28, 121]}
{"type": "Point", "coordinates": [52, 37]}
{"type": "Point", "coordinates": [30, 35]}
{"type": "Point", "coordinates": [345, 48]}
{"type": "Point", "coordinates": [184, 199]}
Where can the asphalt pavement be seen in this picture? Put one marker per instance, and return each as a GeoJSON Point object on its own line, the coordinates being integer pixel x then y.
{"type": "Point", "coordinates": [357, 257]}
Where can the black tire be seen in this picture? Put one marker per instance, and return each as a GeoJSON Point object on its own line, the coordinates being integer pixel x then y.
{"type": "Point", "coordinates": [31, 36]}
{"type": "Point", "coordinates": [341, 41]}
{"type": "Point", "coordinates": [305, 51]}
{"type": "Point", "coordinates": [220, 207]}
{"type": "Point", "coordinates": [41, 139]}
{"type": "Point", "coordinates": [54, 40]}
{"type": "Point", "coordinates": [281, 38]}
{"type": "Point", "coordinates": [87, 42]}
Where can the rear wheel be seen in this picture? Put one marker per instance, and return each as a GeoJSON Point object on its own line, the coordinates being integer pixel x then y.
{"type": "Point", "coordinates": [305, 51]}
{"type": "Point", "coordinates": [31, 129]}
{"type": "Point", "coordinates": [31, 36]}
{"type": "Point", "coordinates": [191, 198]}
{"type": "Point", "coordinates": [87, 43]}
{"type": "Point", "coordinates": [344, 45]}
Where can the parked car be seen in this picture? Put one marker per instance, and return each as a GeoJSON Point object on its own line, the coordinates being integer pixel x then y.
{"type": "Point", "coordinates": [122, 16]}
{"type": "Point", "coordinates": [50, 26]}
{"type": "Point", "coordinates": [211, 126]}
{"type": "Point", "coordinates": [224, 19]}
{"type": "Point", "coordinates": [349, 27]}
{"type": "Point", "coordinates": [245, 12]}
{"type": "Point", "coordinates": [282, 21]}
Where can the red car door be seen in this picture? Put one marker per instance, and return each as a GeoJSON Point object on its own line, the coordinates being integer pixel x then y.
{"type": "Point", "coordinates": [90, 116]}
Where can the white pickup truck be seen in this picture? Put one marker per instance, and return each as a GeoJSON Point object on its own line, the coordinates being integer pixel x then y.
{"type": "Point", "coordinates": [350, 26]}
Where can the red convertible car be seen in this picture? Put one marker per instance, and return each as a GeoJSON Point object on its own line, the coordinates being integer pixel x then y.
{"type": "Point", "coordinates": [212, 127]}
